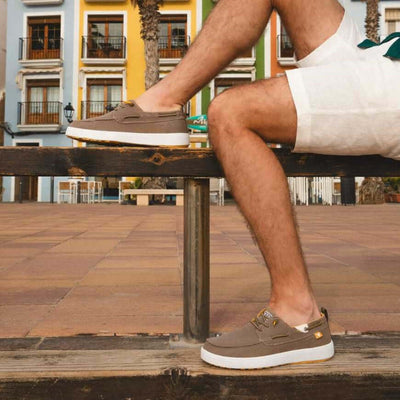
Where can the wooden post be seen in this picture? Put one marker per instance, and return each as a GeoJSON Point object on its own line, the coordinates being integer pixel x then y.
{"type": "Point", "coordinates": [52, 189]}
{"type": "Point", "coordinates": [196, 290]}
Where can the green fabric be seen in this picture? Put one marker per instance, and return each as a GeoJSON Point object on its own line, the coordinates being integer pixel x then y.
{"type": "Point", "coordinates": [394, 49]}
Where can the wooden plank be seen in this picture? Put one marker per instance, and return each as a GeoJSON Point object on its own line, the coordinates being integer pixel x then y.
{"type": "Point", "coordinates": [129, 161]}
{"type": "Point", "coordinates": [355, 355]}
{"type": "Point", "coordinates": [152, 191]}
{"type": "Point", "coordinates": [364, 367]}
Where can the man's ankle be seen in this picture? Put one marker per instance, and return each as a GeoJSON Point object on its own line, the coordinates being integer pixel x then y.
{"type": "Point", "coordinates": [295, 312]}
{"type": "Point", "coordinates": [155, 103]}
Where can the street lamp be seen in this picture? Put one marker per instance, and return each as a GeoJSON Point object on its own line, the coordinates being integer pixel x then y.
{"type": "Point", "coordinates": [69, 112]}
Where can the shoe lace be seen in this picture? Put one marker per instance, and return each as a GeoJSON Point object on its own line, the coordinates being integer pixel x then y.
{"type": "Point", "coordinates": [124, 104]}
{"type": "Point", "coordinates": [264, 319]}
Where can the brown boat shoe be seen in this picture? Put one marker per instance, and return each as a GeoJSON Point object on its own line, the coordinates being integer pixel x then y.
{"type": "Point", "coordinates": [267, 341]}
{"type": "Point", "coordinates": [129, 124]}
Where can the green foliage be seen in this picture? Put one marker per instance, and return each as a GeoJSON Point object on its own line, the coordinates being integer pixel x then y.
{"type": "Point", "coordinates": [392, 184]}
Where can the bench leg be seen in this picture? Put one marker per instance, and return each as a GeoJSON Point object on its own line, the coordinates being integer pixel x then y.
{"type": "Point", "coordinates": [142, 199]}
{"type": "Point", "coordinates": [196, 290]}
{"type": "Point", "coordinates": [179, 199]}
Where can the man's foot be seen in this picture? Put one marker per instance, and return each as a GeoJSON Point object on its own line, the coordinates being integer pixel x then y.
{"type": "Point", "coordinates": [267, 341]}
{"type": "Point", "coordinates": [129, 124]}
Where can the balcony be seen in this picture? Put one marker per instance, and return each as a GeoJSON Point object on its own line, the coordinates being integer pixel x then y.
{"type": "Point", "coordinates": [285, 51]}
{"type": "Point", "coordinates": [172, 48]}
{"type": "Point", "coordinates": [43, 116]}
{"type": "Point", "coordinates": [104, 49]}
{"type": "Point", "coordinates": [91, 109]}
{"type": "Point", "coordinates": [40, 52]}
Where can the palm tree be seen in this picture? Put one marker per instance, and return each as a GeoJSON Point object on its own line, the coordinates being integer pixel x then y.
{"type": "Point", "coordinates": [372, 20]}
{"type": "Point", "coordinates": [149, 19]}
{"type": "Point", "coordinates": [371, 191]}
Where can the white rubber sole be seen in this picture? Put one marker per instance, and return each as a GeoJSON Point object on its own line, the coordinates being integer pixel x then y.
{"type": "Point", "coordinates": [144, 139]}
{"type": "Point", "coordinates": [314, 354]}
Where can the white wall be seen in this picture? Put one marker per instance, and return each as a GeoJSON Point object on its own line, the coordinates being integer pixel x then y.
{"type": "Point", "coordinates": [3, 33]}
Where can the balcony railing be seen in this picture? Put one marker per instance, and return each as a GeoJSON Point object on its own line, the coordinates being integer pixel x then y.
{"type": "Point", "coordinates": [40, 113]}
{"type": "Point", "coordinates": [36, 48]}
{"type": "Point", "coordinates": [284, 47]}
{"type": "Point", "coordinates": [90, 109]}
{"type": "Point", "coordinates": [103, 47]}
{"type": "Point", "coordinates": [173, 46]}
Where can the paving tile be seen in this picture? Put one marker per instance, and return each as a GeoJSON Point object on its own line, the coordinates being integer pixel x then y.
{"type": "Point", "coordinates": [355, 289]}
{"type": "Point", "coordinates": [238, 271]}
{"type": "Point", "coordinates": [139, 262]}
{"type": "Point", "coordinates": [85, 246]}
{"type": "Point", "coordinates": [239, 290]}
{"type": "Point", "coordinates": [106, 325]}
{"type": "Point", "coordinates": [340, 274]}
{"type": "Point", "coordinates": [37, 283]}
{"type": "Point", "coordinates": [7, 262]}
{"type": "Point", "coordinates": [237, 258]}
{"type": "Point", "coordinates": [125, 277]}
{"type": "Point", "coordinates": [365, 322]}
{"type": "Point", "coordinates": [128, 300]}
{"type": "Point", "coordinates": [21, 296]}
{"type": "Point", "coordinates": [17, 320]}
{"type": "Point", "coordinates": [129, 252]}
{"type": "Point", "coordinates": [51, 266]}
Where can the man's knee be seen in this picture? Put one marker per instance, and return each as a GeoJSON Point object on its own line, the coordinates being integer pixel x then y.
{"type": "Point", "coordinates": [221, 116]}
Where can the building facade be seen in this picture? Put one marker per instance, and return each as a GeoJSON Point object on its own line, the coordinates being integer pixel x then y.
{"type": "Point", "coordinates": [39, 71]}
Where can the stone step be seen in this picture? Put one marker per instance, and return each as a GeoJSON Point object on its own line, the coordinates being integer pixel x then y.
{"type": "Point", "coordinates": [145, 367]}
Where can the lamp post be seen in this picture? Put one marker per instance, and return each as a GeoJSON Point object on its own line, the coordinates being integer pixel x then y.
{"type": "Point", "coordinates": [69, 112]}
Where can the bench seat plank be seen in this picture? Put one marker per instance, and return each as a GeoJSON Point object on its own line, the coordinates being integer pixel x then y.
{"type": "Point", "coordinates": [172, 162]}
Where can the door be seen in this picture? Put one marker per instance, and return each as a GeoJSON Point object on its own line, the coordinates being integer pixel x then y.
{"type": "Point", "coordinates": [26, 187]}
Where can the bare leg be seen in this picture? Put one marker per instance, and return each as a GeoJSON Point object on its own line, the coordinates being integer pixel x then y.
{"type": "Point", "coordinates": [260, 187]}
{"type": "Point", "coordinates": [233, 27]}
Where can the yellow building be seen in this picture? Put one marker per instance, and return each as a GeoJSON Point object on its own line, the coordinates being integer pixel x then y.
{"type": "Point", "coordinates": [111, 51]}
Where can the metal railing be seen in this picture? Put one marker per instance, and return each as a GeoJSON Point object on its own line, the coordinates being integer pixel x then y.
{"type": "Point", "coordinates": [40, 113]}
{"type": "Point", "coordinates": [103, 47]}
{"type": "Point", "coordinates": [174, 46]}
{"type": "Point", "coordinates": [284, 47]}
{"type": "Point", "coordinates": [90, 109]}
{"type": "Point", "coordinates": [39, 48]}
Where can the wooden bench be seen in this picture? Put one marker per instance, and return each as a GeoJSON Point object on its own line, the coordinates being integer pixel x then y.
{"type": "Point", "coordinates": [142, 195]}
{"type": "Point", "coordinates": [196, 166]}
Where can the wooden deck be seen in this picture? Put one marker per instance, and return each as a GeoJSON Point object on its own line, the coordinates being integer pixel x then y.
{"type": "Point", "coordinates": [364, 367]}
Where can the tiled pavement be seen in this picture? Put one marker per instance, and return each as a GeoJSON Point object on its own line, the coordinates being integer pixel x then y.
{"type": "Point", "coordinates": [111, 269]}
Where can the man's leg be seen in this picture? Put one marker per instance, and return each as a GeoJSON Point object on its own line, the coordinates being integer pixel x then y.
{"type": "Point", "coordinates": [233, 27]}
{"type": "Point", "coordinates": [240, 119]}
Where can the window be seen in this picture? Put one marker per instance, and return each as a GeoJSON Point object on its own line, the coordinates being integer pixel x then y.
{"type": "Point", "coordinates": [103, 95]}
{"type": "Point", "coordinates": [42, 105]}
{"type": "Point", "coordinates": [285, 46]}
{"type": "Point", "coordinates": [105, 36]}
{"type": "Point", "coordinates": [173, 40]}
{"type": "Point", "coordinates": [44, 41]}
{"type": "Point", "coordinates": [222, 84]}
{"type": "Point", "coordinates": [392, 20]}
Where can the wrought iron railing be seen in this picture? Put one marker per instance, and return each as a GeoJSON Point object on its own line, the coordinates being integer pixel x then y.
{"type": "Point", "coordinates": [90, 109]}
{"type": "Point", "coordinates": [39, 48]}
{"type": "Point", "coordinates": [285, 48]}
{"type": "Point", "coordinates": [174, 46]}
{"type": "Point", "coordinates": [40, 113]}
{"type": "Point", "coordinates": [103, 47]}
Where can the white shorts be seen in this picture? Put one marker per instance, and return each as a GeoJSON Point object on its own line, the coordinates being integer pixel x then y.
{"type": "Point", "coordinates": [347, 99]}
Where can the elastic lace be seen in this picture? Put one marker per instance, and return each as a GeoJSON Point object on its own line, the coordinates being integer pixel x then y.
{"type": "Point", "coordinates": [263, 320]}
